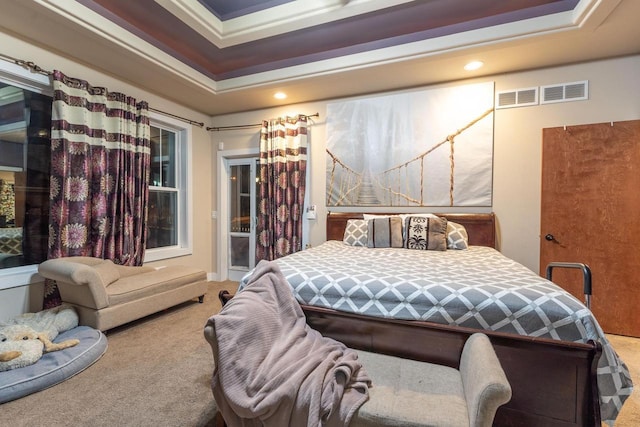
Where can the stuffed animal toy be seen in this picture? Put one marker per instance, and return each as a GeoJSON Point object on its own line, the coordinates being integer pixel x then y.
{"type": "Point", "coordinates": [25, 338]}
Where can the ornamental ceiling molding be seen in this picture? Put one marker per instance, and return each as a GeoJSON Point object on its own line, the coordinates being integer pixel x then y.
{"type": "Point", "coordinates": [586, 16]}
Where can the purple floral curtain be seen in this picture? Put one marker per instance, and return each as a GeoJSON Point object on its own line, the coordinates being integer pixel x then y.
{"type": "Point", "coordinates": [283, 166]}
{"type": "Point", "coordinates": [99, 184]}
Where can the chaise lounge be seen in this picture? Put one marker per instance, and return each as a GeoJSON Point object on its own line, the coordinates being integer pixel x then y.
{"type": "Point", "coordinates": [107, 295]}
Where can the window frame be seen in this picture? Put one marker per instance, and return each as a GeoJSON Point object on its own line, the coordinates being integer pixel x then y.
{"type": "Point", "coordinates": [184, 148]}
{"type": "Point", "coordinates": [26, 275]}
{"type": "Point", "coordinates": [15, 75]}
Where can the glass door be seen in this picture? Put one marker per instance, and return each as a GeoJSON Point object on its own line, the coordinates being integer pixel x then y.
{"type": "Point", "coordinates": [242, 216]}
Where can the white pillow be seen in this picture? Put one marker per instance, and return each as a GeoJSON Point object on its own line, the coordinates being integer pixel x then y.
{"type": "Point", "coordinates": [367, 217]}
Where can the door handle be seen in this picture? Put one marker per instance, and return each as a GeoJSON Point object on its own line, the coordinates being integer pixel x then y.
{"type": "Point", "coordinates": [551, 238]}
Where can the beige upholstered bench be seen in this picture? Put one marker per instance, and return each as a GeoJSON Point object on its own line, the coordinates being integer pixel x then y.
{"type": "Point", "coordinates": [409, 393]}
{"type": "Point", "coordinates": [107, 295]}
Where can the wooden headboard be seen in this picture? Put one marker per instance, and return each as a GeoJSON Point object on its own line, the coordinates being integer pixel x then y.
{"type": "Point", "coordinates": [481, 227]}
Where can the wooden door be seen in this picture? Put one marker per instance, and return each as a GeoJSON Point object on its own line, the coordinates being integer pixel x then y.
{"type": "Point", "coordinates": [591, 206]}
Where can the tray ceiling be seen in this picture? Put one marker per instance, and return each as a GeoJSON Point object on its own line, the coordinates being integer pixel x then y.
{"type": "Point", "coordinates": [221, 56]}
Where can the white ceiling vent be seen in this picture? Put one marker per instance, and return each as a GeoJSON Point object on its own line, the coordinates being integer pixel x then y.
{"type": "Point", "coordinates": [565, 92]}
{"type": "Point", "coordinates": [517, 98]}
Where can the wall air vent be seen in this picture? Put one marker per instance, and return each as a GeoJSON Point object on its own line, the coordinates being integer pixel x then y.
{"type": "Point", "coordinates": [517, 98]}
{"type": "Point", "coordinates": [565, 92]}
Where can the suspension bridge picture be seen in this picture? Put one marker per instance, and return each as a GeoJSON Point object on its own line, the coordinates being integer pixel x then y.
{"type": "Point", "coordinates": [422, 148]}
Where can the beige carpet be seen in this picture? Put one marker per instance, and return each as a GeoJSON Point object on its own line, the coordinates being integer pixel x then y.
{"type": "Point", "coordinates": [157, 372]}
{"type": "Point", "coordinates": [629, 350]}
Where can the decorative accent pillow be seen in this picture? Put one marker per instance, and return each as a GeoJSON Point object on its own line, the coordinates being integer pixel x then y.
{"type": "Point", "coordinates": [457, 237]}
{"type": "Point", "coordinates": [356, 232]}
{"type": "Point", "coordinates": [402, 216]}
{"type": "Point", "coordinates": [422, 215]}
{"type": "Point", "coordinates": [385, 232]}
{"type": "Point", "coordinates": [426, 233]}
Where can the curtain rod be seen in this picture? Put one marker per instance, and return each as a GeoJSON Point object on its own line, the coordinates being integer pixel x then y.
{"type": "Point", "coordinates": [34, 68]}
{"type": "Point", "coordinates": [191, 122]}
{"type": "Point", "coordinates": [253, 125]}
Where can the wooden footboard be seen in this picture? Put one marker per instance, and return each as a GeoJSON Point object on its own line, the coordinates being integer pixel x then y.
{"type": "Point", "coordinates": [553, 382]}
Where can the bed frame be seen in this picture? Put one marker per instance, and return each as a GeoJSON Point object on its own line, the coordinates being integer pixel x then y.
{"type": "Point", "coordinates": [553, 382]}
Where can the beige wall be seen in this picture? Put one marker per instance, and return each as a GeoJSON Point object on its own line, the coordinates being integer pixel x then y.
{"type": "Point", "coordinates": [26, 298]}
{"type": "Point", "coordinates": [614, 88]}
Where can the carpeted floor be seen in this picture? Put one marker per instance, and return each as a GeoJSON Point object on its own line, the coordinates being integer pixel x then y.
{"type": "Point", "coordinates": [629, 350]}
{"type": "Point", "coordinates": [157, 372]}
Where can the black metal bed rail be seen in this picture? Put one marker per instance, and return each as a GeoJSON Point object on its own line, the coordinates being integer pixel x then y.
{"type": "Point", "coordinates": [586, 273]}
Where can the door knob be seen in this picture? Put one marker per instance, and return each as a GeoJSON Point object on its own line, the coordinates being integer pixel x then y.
{"type": "Point", "coordinates": [550, 237]}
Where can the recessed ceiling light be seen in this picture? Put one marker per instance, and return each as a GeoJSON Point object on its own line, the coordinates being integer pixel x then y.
{"type": "Point", "coordinates": [473, 65]}
{"type": "Point", "coordinates": [280, 95]}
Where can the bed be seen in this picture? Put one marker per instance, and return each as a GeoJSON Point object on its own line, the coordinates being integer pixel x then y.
{"type": "Point", "coordinates": [424, 304]}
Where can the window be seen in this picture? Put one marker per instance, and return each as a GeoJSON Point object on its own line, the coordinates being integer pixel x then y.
{"type": "Point", "coordinates": [25, 147]}
{"type": "Point", "coordinates": [168, 230]}
{"type": "Point", "coordinates": [25, 123]}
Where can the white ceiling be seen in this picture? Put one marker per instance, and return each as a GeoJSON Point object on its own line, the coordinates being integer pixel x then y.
{"type": "Point", "coordinates": [594, 29]}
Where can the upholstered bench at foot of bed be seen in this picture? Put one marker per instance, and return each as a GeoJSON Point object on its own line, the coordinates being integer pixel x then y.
{"type": "Point", "coordinates": [409, 393]}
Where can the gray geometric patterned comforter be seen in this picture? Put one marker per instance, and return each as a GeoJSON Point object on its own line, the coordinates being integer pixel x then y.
{"type": "Point", "coordinates": [477, 288]}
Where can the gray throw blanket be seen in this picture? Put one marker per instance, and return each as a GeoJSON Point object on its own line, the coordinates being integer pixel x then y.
{"type": "Point", "coordinates": [272, 369]}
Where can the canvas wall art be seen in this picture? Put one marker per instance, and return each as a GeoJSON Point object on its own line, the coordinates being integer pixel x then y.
{"type": "Point", "coordinates": [430, 147]}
